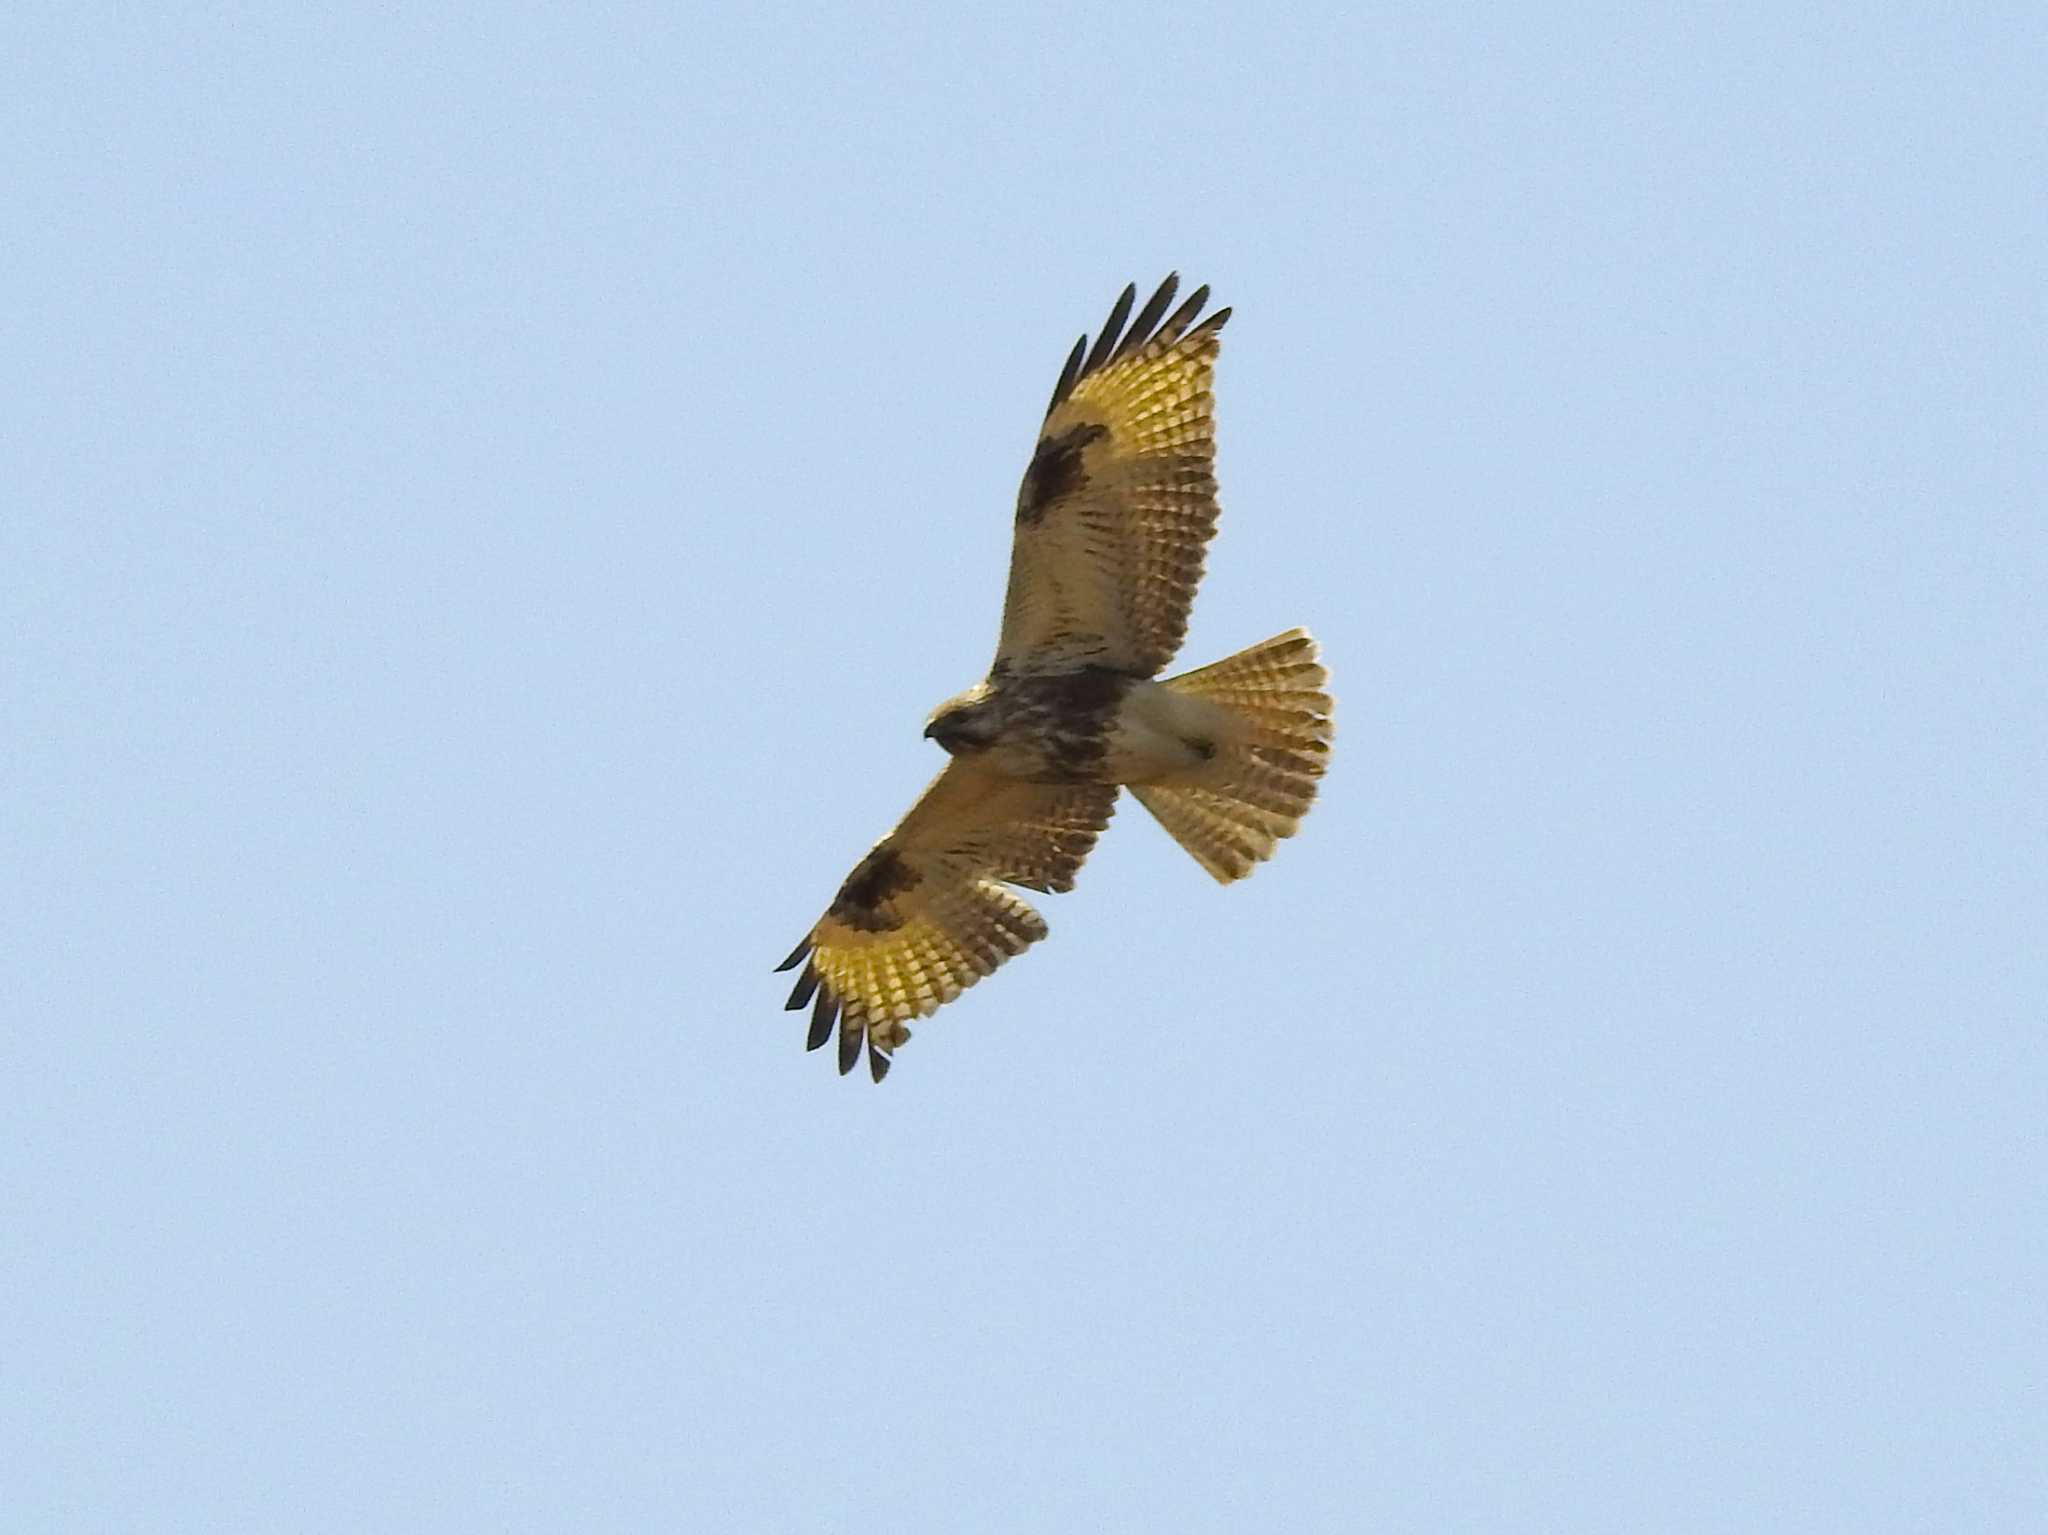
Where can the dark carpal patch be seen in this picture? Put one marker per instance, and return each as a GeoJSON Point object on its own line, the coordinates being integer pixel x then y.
{"type": "Point", "coordinates": [1055, 470]}
{"type": "Point", "coordinates": [874, 880]}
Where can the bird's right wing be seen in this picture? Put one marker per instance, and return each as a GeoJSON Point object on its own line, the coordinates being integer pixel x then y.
{"type": "Point", "coordinates": [924, 915]}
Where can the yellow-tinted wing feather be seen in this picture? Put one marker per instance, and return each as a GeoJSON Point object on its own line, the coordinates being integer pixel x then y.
{"type": "Point", "coordinates": [925, 915]}
{"type": "Point", "coordinates": [1119, 500]}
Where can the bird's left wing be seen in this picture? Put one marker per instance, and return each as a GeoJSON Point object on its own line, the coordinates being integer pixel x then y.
{"type": "Point", "coordinates": [925, 915]}
{"type": "Point", "coordinates": [1119, 500]}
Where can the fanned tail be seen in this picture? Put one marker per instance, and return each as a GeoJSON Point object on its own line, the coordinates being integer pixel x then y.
{"type": "Point", "coordinates": [1232, 809]}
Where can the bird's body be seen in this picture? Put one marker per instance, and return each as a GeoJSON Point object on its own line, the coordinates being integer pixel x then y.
{"type": "Point", "coordinates": [1113, 516]}
{"type": "Point", "coordinates": [1089, 724]}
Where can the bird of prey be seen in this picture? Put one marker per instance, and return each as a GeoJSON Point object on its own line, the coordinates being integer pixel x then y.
{"type": "Point", "coordinates": [1117, 506]}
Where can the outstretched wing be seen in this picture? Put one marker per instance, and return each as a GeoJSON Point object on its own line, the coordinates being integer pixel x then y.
{"type": "Point", "coordinates": [1119, 500]}
{"type": "Point", "coordinates": [925, 915]}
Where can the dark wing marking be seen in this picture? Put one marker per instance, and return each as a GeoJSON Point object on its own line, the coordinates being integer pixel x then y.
{"type": "Point", "coordinates": [925, 914]}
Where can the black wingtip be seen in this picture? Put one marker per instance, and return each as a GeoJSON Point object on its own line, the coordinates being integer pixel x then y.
{"type": "Point", "coordinates": [1148, 317]}
{"type": "Point", "coordinates": [822, 1018]}
{"type": "Point", "coordinates": [1112, 328]}
{"type": "Point", "coordinates": [805, 985]}
{"type": "Point", "coordinates": [1184, 316]}
{"type": "Point", "coordinates": [1113, 342]}
{"type": "Point", "coordinates": [795, 954]}
{"type": "Point", "coordinates": [1068, 375]}
{"type": "Point", "coordinates": [878, 1063]}
{"type": "Point", "coordinates": [850, 1036]}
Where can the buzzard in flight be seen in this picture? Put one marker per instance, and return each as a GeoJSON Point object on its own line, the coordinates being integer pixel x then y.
{"type": "Point", "coordinates": [1117, 506]}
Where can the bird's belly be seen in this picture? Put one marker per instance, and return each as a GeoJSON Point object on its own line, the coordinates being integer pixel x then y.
{"type": "Point", "coordinates": [1139, 735]}
{"type": "Point", "coordinates": [1157, 732]}
{"type": "Point", "coordinates": [1038, 756]}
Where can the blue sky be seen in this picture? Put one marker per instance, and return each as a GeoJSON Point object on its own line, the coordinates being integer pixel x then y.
{"type": "Point", "coordinates": [493, 495]}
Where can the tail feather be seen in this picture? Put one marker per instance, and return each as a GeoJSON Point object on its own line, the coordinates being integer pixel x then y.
{"type": "Point", "coordinates": [1232, 809]}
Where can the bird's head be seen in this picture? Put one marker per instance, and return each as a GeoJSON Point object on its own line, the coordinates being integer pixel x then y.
{"type": "Point", "coordinates": [966, 724]}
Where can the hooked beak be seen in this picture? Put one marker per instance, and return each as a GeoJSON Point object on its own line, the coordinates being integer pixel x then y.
{"type": "Point", "coordinates": [947, 733]}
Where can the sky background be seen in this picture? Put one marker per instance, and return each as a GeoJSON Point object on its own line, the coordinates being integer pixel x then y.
{"type": "Point", "coordinates": [491, 496]}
